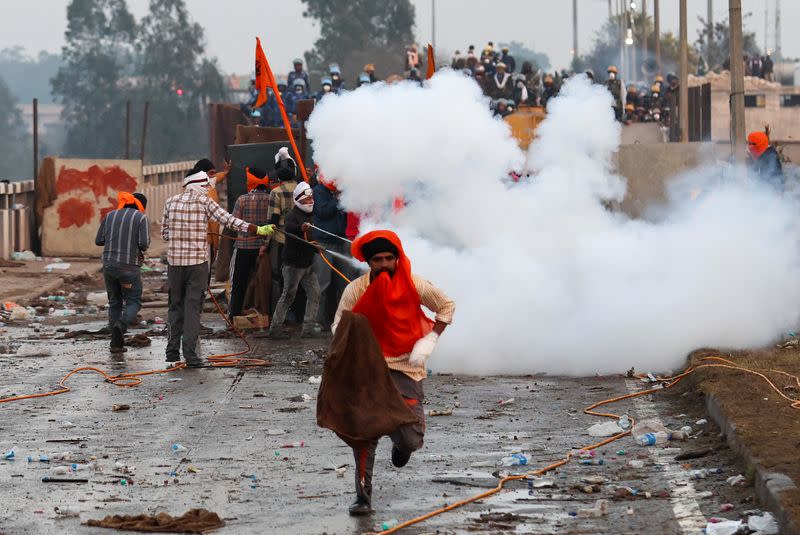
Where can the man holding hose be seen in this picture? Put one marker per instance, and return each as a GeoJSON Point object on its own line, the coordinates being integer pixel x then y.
{"type": "Point", "coordinates": [389, 295]}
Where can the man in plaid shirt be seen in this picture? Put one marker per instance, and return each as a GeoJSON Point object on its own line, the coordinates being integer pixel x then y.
{"type": "Point", "coordinates": [185, 225]}
{"type": "Point", "coordinates": [281, 200]}
{"type": "Point", "coordinates": [253, 206]}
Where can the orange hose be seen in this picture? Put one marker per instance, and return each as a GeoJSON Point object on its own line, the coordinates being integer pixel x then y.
{"type": "Point", "coordinates": [671, 381]}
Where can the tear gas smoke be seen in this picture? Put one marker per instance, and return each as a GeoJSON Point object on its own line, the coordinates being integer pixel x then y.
{"type": "Point", "coordinates": [545, 278]}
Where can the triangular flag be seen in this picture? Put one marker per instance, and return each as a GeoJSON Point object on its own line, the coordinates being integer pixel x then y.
{"type": "Point", "coordinates": [262, 75]}
{"type": "Point", "coordinates": [431, 63]}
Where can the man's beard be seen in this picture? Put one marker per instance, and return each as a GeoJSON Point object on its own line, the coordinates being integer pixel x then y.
{"type": "Point", "coordinates": [376, 274]}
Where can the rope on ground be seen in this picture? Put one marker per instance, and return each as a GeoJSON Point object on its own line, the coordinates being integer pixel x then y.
{"type": "Point", "coordinates": [667, 382]}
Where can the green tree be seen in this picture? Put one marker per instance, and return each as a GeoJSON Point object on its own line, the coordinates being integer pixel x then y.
{"type": "Point", "coordinates": [15, 143]}
{"type": "Point", "coordinates": [716, 53]}
{"type": "Point", "coordinates": [606, 46]}
{"type": "Point", "coordinates": [177, 80]}
{"type": "Point", "coordinates": [94, 76]}
{"type": "Point", "coordinates": [356, 32]}
{"type": "Point", "coordinates": [521, 53]}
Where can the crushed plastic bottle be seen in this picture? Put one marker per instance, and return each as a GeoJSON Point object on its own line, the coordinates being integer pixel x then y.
{"type": "Point", "coordinates": [650, 439]}
{"type": "Point", "coordinates": [56, 298]}
{"type": "Point", "coordinates": [299, 444]}
{"type": "Point", "coordinates": [592, 462]}
{"type": "Point", "coordinates": [77, 467]}
{"type": "Point", "coordinates": [64, 312]}
{"type": "Point", "coordinates": [515, 459]}
{"type": "Point", "coordinates": [624, 422]}
{"type": "Point", "coordinates": [10, 454]}
{"type": "Point", "coordinates": [41, 459]}
{"type": "Point", "coordinates": [698, 474]}
{"type": "Point", "coordinates": [178, 449]}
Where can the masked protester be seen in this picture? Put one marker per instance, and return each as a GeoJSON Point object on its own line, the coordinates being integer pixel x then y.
{"type": "Point", "coordinates": [124, 234]}
{"type": "Point", "coordinates": [765, 161]}
{"type": "Point", "coordinates": [184, 226]}
{"type": "Point", "coordinates": [253, 206]}
{"type": "Point", "coordinates": [390, 297]}
{"type": "Point", "coordinates": [298, 259]}
{"type": "Point", "coordinates": [280, 202]}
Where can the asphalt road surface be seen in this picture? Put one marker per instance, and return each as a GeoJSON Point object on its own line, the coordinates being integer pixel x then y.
{"type": "Point", "coordinates": [235, 422]}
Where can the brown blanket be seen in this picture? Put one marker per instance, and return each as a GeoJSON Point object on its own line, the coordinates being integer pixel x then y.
{"type": "Point", "coordinates": [259, 289]}
{"type": "Point", "coordinates": [193, 521]}
{"type": "Point", "coordinates": [357, 398]}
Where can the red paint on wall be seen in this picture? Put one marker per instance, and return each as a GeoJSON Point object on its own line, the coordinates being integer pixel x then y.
{"type": "Point", "coordinates": [96, 179]}
{"type": "Point", "coordinates": [74, 212]}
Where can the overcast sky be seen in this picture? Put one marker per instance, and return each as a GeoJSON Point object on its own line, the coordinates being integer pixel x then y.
{"type": "Point", "coordinates": [544, 25]}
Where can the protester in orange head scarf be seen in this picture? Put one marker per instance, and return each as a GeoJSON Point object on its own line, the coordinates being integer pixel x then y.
{"type": "Point", "coordinates": [765, 161]}
{"type": "Point", "coordinates": [391, 297]}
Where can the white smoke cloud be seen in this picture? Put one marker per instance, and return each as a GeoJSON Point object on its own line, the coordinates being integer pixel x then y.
{"type": "Point", "coordinates": [545, 278]}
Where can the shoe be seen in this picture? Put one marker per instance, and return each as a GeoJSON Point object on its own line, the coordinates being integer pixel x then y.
{"type": "Point", "coordinates": [195, 364]}
{"type": "Point", "coordinates": [360, 507]}
{"type": "Point", "coordinates": [278, 335]}
{"type": "Point", "coordinates": [400, 458]}
{"type": "Point", "coordinates": [118, 349]}
{"type": "Point", "coordinates": [117, 339]}
{"type": "Point", "coordinates": [312, 332]}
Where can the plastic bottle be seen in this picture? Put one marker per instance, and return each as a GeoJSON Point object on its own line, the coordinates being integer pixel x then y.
{"type": "Point", "coordinates": [61, 470]}
{"type": "Point", "coordinates": [76, 467]}
{"type": "Point", "coordinates": [698, 474]}
{"type": "Point", "coordinates": [179, 449]}
{"type": "Point", "coordinates": [650, 439]}
{"type": "Point", "coordinates": [57, 298]}
{"type": "Point", "coordinates": [515, 459]}
{"type": "Point", "coordinates": [68, 510]}
{"type": "Point", "coordinates": [624, 422]}
{"type": "Point", "coordinates": [10, 454]}
{"type": "Point", "coordinates": [41, 459]}
{"type": "Point", "coordinates": [389, 524]}
{"type": "Point", "coordinates": [592, 462]}
{"type": "Point", "coordinates": [300, 444]}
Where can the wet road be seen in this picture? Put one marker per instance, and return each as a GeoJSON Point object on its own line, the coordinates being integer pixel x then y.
{"type": "Point", "coordinates": [230, 422]}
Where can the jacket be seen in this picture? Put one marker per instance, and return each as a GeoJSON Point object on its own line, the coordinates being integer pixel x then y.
{"type": "Point", "coordinates": [327, 214]}
{"type": "Point", "coordinates": [769, 169]}
{"type": "Point", "coordinates": [296, 253]}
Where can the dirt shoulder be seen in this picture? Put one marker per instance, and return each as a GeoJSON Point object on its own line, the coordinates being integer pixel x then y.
{"type": "Point", "coordinates": [762, 425]}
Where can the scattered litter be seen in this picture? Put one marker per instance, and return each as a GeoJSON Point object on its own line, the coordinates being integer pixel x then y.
{"type": "Point", "coordinates": [764, 524]}
{"type": "Point", "coordinates": [179, 449]}
{"type": "Point", "coordinates": [68, 510]}
{"type": "Point", "coordinates": [275, 432]}
{"type": "Point", "coordinates": [725, 507]}
{"type": "Point", "coordinates": [10, 454]}
{"type": "Point", "coordinates": [541, 483]}
{"type": "Point", "coordinates": [600, 509]}
{"type": "Point", "coordinates": [594, 480]}
{"type": "Point", "coordinates": [61, 470]}
{"type": "Point", "coordinates": [98, 299]}
{"type": "Point", "coordinates": [389, 524]}
{"type": "Point", "coordinates": [174, 379]}
{"type": "Point", "coordinates": [624, 422]}
{"type": "Point", "coordinates": [725, 527]}
{"type": "Point", "coordinates": [192, 469]}
{"type": "Point", "coordinates": [120, 407]}
{"type": "Point", "coordinates": [158, 320]}
{"type": "Point", "coordinates": [249, 438]}
{"type": "Point", "coordinates": [506, 401]}
{"type": "Point", "coordinates": [57, 266]}
{"type": "Point", "coordinates": [605, 429]}
{"type": "Point", "coordinates": [515, 459]}
{"type": "Point", "coordinates": [340, 471]}
{"type": "Point", "coordinates": [702, 421]}
{"type": "Point", "coordinates": [705, 494]}
{"type": "Point", "coordinates": [67, 425]}
{"type": "Point", "coordinates": [194, 521]}
{"type": "Point", "coordinates": [48, 479]}
{"type": "Point", "coordinates": [650, 439]}
{"type": "Point", "coordinates": [21, 314]}
{"type": "Point", "coordinates": [445, 412]}
{"type": "Point", "coordinates": [300, 444]}
{"type": "Point", "coordinates": [23, 256]}
{"type": "Point", "coordinates": [635, 464]}
{"type": "Point", "coordinates": [315, 380]}
{"type": "Point", "coordinates": [734, 481]}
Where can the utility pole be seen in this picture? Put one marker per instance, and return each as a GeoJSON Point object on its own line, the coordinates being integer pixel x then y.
{"type": "Point", "coordinates": [737, 81]}
{"type": "Point", "coordinates": [778, 47]}
{"type": "Point", "coordinates": [433, 24]}
{"type": "Point", "coordinates": [710, 29]}
{"type": "Point", "coordinates": [574, 30]}
{"type": "Point", "coordinates": [683, 102]}
{"type": "Point", "coordinates": [657, 34]}
{"type": "Point", "coordinates": [35, 138]}
{"type": "Point", "coordinates": [766, 26]}
{"type": "Point", "coordinates": [610, 12]}
{"type": "Point", "coordinates": [644, 31]}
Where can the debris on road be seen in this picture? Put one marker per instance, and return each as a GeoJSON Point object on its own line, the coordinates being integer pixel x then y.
{"type": "Point", "coordinates": [604, 429]}
{"type": "Point", "coordinates": [119, 407]}
{"type": "Point", "coordinates": [193, 521]}
{"type": "Point", "coordinates": [444, 412]}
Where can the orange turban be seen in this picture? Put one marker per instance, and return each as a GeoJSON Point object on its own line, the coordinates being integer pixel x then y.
{"type": "Point", "coordinates": [391, 304]}
{"type": "Point", "coordinates": [757, 143]}
{"type": "Point", "coordinates": [125, 198]}
{"type": "Point", "coordinates": [253, 181]}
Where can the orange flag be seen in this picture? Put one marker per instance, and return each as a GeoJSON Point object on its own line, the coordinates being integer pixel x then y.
{"type": "Point", "coordinates": [270, 79]}
{"type": "Point", "coordinates": [431, 63]}
{"type": "Point", "coordinates": [262, 75]}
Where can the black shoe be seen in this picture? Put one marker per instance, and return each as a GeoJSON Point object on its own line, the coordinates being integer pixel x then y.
{"type": "Point", "coordinates": [360, 507]}
{"type": "Point", "coordinates": [399, 458]}
{"type": "Point", "coordinates": [195, 364]}
{"type": "Point", "coordinates": [117, 338]}
{"type": "Point", "coordinates": [278, 335]}
{"type": "Point", "coordinates": [315, 331]}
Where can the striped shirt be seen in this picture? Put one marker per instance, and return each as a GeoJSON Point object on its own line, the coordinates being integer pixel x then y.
{"type": "Point", "coordinates": [123, 233]}
{"type": "Point", "coordinates": [185, 224]}
{"type": "Point", "coordinates": [430, 297]}
{"type": "Point", "coordinates": [281, 200]}
{"type": "Point", "coordinates": [253, 207]}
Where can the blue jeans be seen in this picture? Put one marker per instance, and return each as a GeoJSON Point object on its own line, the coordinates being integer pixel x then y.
{"type": "Point", "coordinates": [123, 284]}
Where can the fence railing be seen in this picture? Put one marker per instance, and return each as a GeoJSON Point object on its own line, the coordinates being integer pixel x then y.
{"type": "Point", "coordinates": [160, 182]}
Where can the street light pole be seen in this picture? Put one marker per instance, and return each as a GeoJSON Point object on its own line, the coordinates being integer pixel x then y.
{"type": "Point", "coordinates": [433, 24]}
{"type": "Point", "coordinates": [574, 29]}
{"type": "Point", "coordinates": [683, 104]}
{"type": "Point", "coordinates": [657, 34]}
